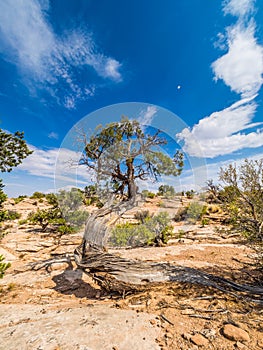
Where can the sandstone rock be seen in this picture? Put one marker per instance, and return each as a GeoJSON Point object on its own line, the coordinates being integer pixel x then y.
{"type": "Point", "coordinates": [187, 312]}
{"type": "Point", "coordinates": [240, 346]}
{"type": "Point", "coordinates": [232, 332]}
{"type": "Point", "coordinates": [199, 339]}
{"type": "Point", "coordinates": [186, 336]}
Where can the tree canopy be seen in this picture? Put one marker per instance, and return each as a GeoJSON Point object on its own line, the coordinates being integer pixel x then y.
{"type": "Point", "coordinates": [13, 149]}
{"type": "Point", "coordinates": [122, 152]}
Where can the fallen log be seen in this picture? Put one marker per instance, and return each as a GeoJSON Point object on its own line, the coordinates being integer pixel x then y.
{"type": "Point", "coordinates": [121, 275]}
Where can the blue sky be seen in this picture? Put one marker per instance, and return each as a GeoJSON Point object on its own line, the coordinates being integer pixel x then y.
{"type": "Point", "coordinates": [63, 62]}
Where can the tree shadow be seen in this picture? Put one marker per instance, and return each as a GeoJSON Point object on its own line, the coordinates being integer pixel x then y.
{"type": "Point", "coordinates": [70, 282]}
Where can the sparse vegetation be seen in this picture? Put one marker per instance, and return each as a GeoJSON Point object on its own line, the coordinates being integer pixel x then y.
{"type": "Point", "coordinates": [37, 195]}
{"type": "Point", "coordinates": [3, 266]}
{"type": "Point", "coordinates": [190, 194]}
{"type": "Point", "coordinates": [148, 194]}
{"type": "Point", "coordinates": [154, 230]}
{"type": "Point", "coordinates": [166, 191]}
{"type": "Point", "coordinates": [19, 199]}
{"type": "Point", "coordinates": [195, 211]}
{"type": "Point", "coordinates": [242, 197]}
{"type": "Point", "coordinates": [65, 216]}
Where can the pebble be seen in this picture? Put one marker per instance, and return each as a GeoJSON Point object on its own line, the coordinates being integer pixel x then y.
{"type": "Point", "coordinates": [199, 339]}
{"type": "Point", "coordinates": [234, 333]}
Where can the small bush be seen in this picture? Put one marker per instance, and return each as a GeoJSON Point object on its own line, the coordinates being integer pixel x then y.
{"type": "Point", "coordinates": [181, 214]}
{"type": "Point", "coordinates": [166, 191]}
{"type": "Point", "coordinates": [142, 215]}
{"type": "Point", "coordinates": [195, 211]}
{"type": "Point", "coordinates": [9, 215]}
{"type": "Point", "coordinates": [22, 222]}
{"type": "Point", "coordinates": [13, 215]}
{"type": "Point", "coordinates": [148, 194]}
{"type": "Point", "coordinates": [155, 229]}
{"type": "Point", "coordinates": [37, 195]}
{"type": "Point", "coordinates": [3, 266]}
{"type": "Point", "coordinates": [19, 199]}
{"type": "Point", "coordinates": [190, 194]}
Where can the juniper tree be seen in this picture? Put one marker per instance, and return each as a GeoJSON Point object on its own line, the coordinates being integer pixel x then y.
{"type": "Point", "coordinates": [122, 152]}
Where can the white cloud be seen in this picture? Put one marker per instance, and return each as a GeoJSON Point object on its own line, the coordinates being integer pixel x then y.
{"type": "Point", "coordinates": [45, 59]}
{"type": "Point", "coordinates": [220, 133]}
{"type": "Point", "coordinates": [241, 68]}
{"type": "Point", "coordinates": [53, 135]}
{"type": "Point", "coordinates": [238, 8]}
{"type": "Point", "coordinates": [146, 116]}
{"type": "Point", "coordinates": [56, 164]}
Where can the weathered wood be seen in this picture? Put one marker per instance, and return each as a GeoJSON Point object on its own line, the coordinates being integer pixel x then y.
{"type": "Point", "coordinates": [121, 275]}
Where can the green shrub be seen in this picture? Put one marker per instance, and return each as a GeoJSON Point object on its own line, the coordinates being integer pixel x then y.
{"type": "Point", "coordinates": [142, 215]}
{"type": "Point", "coordinates": [181, 214]}
{"type": "Point", "coordinates": [13, 215]}
{"type": "Point", "coordinates": [154, 230]}
{"type": "Point", "coordinates": [65, 216]}
{"type": "Point", "coordinates": [190, 194]}
{"type": "Point", "coordinates": [195, 211]}
{"type": "Point", "coordinates": [148, 194]}
{"type": "Point", "coordinates": [37, 195]}
{"type": "Point", "coordinates": [166, 191]}
{"type": "Point", "coordinates": [3, 266]}
{"type": "Point", "coordinates": [52, 199]}
{"type": "Point", "coordinates": [19, 199]}
{"type": "Point", "coordinates": [22, 222]}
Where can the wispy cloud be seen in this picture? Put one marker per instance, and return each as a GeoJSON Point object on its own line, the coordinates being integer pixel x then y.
{"type": "Point", "coordinates": [239, 8]}
{"type": "Point", "coordinates": [241, 68]}
{"type": "Point", "coordinates": [45, 59]}
{"type": "Point", "coordinates": [146, 116]}
{"type": "Point", "coordinates": [53, 135]}
{"type": "Point", "coordinates": [56, 164]}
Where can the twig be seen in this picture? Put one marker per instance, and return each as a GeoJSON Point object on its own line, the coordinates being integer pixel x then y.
{"type": "Point", "coordinates": [166, 319]}
{"type": "Point", "coordinates": [201, 316]}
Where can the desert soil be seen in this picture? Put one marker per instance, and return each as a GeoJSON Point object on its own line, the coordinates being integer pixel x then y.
{"type": "Point", "coordinates": [57, 306]}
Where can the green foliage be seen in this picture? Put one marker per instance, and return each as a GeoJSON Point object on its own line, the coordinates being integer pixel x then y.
{"type": "Point", "coordinates": [12, 215]}
{"type": "Point", "coordinates": [242, 197]}
{"type": "Point", "coordinates": [190, 194]}
{"type": "Point", "coordinates": [148, 194]}
{"type": "Point", "coordinates": [22, 222]}
{"type": "Point", "coordinates": [154, 230]}
{"type": "Point", "coordinates": [121, 153]}
{"type": "Point", "coordinates": [37, 195]}
{"type": "Point", "coordinates": [65, 215]}
{"type": "Point", "coordinates": [3, 266]}
{"type": "Point", "coordinates": [142, 216]}
{"type": "Point", "coordinates": [91, 196]}
{"type": "Point", "coordinates": [70, 203]}
{"type": "Point", "coordinates": [44, 217]}
{"type": "Point", "coordinates": [204, 222]}
{"type": "Point", "coordinates": [13, 149]}
{"type": "Point", "coordinates": [195, 211]}
{"type": "Point", "coordinates": [3, 196]}
{"type": "Point", "coordinates": [166, 191]}
{"type": "Point", "coordinates": [52, 199]}
{"type": "Point", "coordinates": [181, 214]}
{"type": "Point", "coordinates": [19, 199]}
